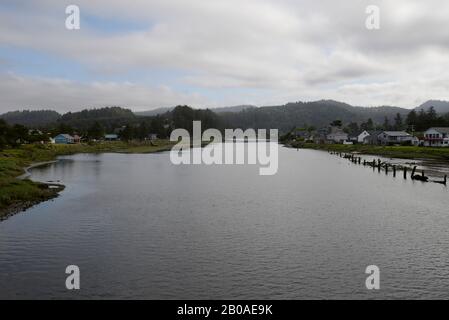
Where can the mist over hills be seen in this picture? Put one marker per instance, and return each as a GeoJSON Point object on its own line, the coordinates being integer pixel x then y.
{"type": "Point", "coordinates": [284, 117]}
{"type": "Point", "coordinates": [439, 106]}
{"type": "Point", "coordinates": [31, 118]}
{"type": "Point", "coordinates": [317, 113]}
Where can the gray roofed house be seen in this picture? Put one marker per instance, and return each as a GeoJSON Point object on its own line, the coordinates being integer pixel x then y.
{"type": "Point", "coordinates": [394, 137]}
{"type": "Point", "coordinates": [111, 137]}
{"type": "Point", "coordinates": [373, 137]}
{"type": "Point", "coordinates": [336, 135]}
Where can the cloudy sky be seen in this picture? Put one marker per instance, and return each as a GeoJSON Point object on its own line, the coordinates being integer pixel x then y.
{"type": "Point", "coordinates": [145, 54]}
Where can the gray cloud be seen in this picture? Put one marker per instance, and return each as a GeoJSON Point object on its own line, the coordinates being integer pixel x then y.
{"type": "Point", "coordinates": [290, 50]}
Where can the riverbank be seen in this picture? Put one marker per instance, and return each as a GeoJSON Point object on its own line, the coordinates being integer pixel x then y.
{"type": "Point", "coordinates": [18, 193]}
{"type": "Point", "coordinates": [403, 152]}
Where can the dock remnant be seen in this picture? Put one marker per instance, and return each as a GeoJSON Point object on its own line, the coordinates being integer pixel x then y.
{"type": "Point", "coordinates": [377, 163]}
{"type": "Point", "coordinates": [442, 182]}
{"type": "Point", "coordinates": [418, 177]}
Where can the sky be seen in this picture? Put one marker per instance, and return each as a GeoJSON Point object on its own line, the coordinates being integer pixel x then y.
{"type": "Point", "coordinates": [147, 54]}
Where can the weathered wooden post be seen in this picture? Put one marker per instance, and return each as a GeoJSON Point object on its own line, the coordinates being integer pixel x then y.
{"type": "Point", "coordinates": [386, 168]}
{"type": "Point", "coordinates": [405, 172]}
{"type": "Point", "coordinates": [394, 171]}
{"type": "Point", "coordinates": [413, 172]}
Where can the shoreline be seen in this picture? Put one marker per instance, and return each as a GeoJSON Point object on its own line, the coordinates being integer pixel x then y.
{"type": "Point", "coordinates": [20, 193]}
{"type": "Point", "coordinates": [398, 152]}
{"type": "Point", "coordinates": [27, 172]}
{"type": "Point", "coordinates": [53, 191]}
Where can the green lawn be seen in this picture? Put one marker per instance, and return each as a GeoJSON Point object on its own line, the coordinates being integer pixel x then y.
{"type": "Point", "coordinates": [405, 152]}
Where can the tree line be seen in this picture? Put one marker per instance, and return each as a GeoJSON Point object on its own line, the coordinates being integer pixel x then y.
{"type": "Point", "coordinates": [14, 135]}
{"type": "Point", "coordinates": [94, 124]}
{"type": "Point", "coordinates": [416, 121]}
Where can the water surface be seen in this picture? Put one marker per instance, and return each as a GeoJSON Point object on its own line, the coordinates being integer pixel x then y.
{"type": "Point", "coordinates": [140, 227]}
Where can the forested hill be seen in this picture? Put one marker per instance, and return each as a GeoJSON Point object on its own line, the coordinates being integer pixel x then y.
{"type": "Point", "coordinates": [38, 118]}
{"type": "Point", "coordinates": [318, 113]}
{"type": "Point", "coordinates": [284, 117]}
{"type": "Point", "coordinates": [82, 119]}
{"type": "Point", "coordinates": [109, 116]}
{"type": "Point", "coordinates": [439, 106]}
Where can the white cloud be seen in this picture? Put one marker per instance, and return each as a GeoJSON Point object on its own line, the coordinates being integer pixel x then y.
{"type": "Point", "coordinates": [290, 50]}
{"type": "Point", "coordinates": [19, 92]}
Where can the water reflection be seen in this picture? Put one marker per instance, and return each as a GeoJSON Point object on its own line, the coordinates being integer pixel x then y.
{"type": "Point", "coordinates": [140, 227]}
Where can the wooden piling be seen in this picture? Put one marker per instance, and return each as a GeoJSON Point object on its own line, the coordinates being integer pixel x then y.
{"type": "Point", "coordinates": [405, 172]}
{"type": "Point", "coordinates": [413, 172]}
{"type": "Point", "coordinates": [394, 171]}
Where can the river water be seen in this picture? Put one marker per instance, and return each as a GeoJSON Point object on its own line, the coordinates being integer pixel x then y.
{"type": "Point", "coordinates": [140, 227]}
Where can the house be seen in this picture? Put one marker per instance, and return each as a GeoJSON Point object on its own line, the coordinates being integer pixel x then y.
{"type": "Point", "coordinates": [319, 136]}
{"type": "Point", "coordinates": [395, 137]}
{"type": "Point", "coordinates": [372, 137]}
{"type": "Point", "coordinates": [436, 137]}
{"type": "Point", "coordinates": [34, 132]}
{"type": "Point", "coordinates": [76, 139]}
{"type": "Point", "coordinates": [359, 137]}
{"type": "Point", "coordinates": [302, 134]}
{"type": "Point", "coordinates": [336, 135]}
{"type": "Point", "coordinates": [152, 136]}
{"type": "Point", "coordinates": [111, 137]}
{"type": "Point", "coordinates": [64, 139]}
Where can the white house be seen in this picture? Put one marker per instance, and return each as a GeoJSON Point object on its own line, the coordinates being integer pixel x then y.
{"type": "Point", "coordinates": [336, 135]}
{"type": "Point", "coordinates": [436, 137]}
{"type": "Point", "coordinates": [359, 138]}
{"type": "Point", "coordinates": [152, 136]}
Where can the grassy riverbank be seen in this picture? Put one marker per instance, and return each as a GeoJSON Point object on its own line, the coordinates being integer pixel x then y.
{"type": "Point", "coordinates": [17, 195]}
{"type": "Point", "coordinates": [405, 152]}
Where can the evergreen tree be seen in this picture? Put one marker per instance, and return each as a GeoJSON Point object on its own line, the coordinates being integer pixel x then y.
{"type": "Point", "coordinates": [96, 131]}
{"type": "Point", "coordinates": [398, 122]}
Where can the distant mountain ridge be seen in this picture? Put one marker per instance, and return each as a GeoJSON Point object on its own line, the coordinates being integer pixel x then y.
{"type": "Point", "coordinates": [439, 106]}
{"type": "Point", "coordinates": [31, 118]}
{"type": "Point", "coordinates": [79, 119]}
{"type": "Point", "coordinates": [155, 112]}
{"type": "Point", "coordinates": [283, 117]}
{"type": "Point", "coordinates": [316, 113]}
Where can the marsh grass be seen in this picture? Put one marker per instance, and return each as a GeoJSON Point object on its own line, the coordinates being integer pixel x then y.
{"type": "Point", "coordinates": [14, 192]}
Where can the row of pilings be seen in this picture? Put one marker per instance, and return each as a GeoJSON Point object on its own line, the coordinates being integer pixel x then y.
{"type": "Point", "coordinates": [379, 165]}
